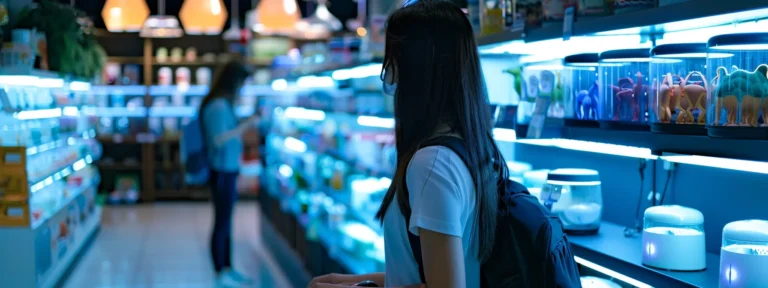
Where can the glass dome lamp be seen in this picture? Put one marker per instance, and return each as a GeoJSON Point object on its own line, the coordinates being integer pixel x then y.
{"type": "Point", "coordinates": [624, 89]}
{"type": "Point", "coordinates": [673, 238]}
{"type": "Point", "coordinates": [744, 254]}
{"type": "Point", "coordinates": [679, 88]}
{"type": "Point", "coordinates": [275, 17]}
{"type": "Point", "coordinates": [124, 15]}
{"type": "Point", "coordinates": [161, 26]}
{"type": "Point", "coordinates": [575, 196]}
{"type": "Point", "coordinates": [738, 100]}
{"type": "Point", "coordinates": [320, 25]}
{"type": "Point", "coordinates": [205, 17]}
{"type": "Point", "coordinates": [581, 87]}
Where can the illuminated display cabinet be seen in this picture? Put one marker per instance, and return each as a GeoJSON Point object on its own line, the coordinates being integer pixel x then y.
{"type": "Point", "coordinates": [738, 100]}
{"type": "Point", "coordinates": [581, 86]}
{"type": "Point", "coordinates": [48, 198]}
{"type": "Point", "coordinates": [679, 85]}
{"type": "Point", "coordinates": [624, 88]}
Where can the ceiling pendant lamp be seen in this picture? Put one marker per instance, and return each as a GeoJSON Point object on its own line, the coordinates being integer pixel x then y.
{"type": "Point", "coordinates": [124, 15]}
{"type": "Point", "coordinates": [161, 26]}
{"type": "Point", "coordinates": [203, 16]}
{"type": "Point", "coordinates": [276, 17]}
{"type": "Point", "coordinates": [321, 24]}
{"type": "Point", "coordinates": [234, 33]}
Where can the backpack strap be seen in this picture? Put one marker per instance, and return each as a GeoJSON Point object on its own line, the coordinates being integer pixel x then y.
{"type": "Point", "coordinates": [457, 146]}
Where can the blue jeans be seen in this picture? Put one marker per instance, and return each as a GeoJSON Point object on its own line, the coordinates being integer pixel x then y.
{"type": "Point", "coordinates": [224, 195]}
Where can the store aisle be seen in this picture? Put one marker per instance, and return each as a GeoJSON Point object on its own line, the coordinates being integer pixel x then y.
{"type": "Point", "coordinates": [166, 245]}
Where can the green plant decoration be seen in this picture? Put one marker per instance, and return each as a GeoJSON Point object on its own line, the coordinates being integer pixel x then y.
{"type": "Point", "coordinates": [72, 49]}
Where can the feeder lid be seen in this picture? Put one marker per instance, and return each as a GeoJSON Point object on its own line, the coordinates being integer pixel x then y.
{"type": "Point", "coordinates": [632, 55]}
{"type": "Point", "coordinates": [684, 50]}
{"type": "Point", "coordinates": [574, 175]}
{"type": "Point", "coordinates": [673, 215]}
{"type": "Point", "coordinates": [738, 41]}
{"type": "Point", "coordinates": [747, 231]}
{"type": "Point", "coordinates": [584, 59]}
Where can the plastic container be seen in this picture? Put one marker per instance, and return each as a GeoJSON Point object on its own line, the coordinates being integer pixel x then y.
{"type": "Point", "coordinates": [744, 254]}
{"type": "Point", "coordinates": [624, 90]}
{"type": "Point", "coordinates": [576, 197]}
{"type": "Point", "coordinates": [543, 79]}
{"type": "Point", "coordinates": [679, 85]}
{"type": "Point", "coordinates": [580, 86]}
{"type": "Point", "coordinates": [738, 104]}
{"type": "Point", "coordinates": [673, 238]}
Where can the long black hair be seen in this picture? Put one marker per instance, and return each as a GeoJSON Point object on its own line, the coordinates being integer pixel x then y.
{"type": "Point", "coordinates": [432, 56]}
{"type": "Point", "coordinates": [228, 78]}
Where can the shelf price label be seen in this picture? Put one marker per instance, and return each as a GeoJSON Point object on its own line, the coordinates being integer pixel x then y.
{"type": "Point", "coordinates": [568, 22]}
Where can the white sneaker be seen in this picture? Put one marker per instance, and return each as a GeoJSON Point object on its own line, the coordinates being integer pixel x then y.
{"type": "Point", "coordinates": [225, 280]}
{"type": "Point", "coordinates": [240, 277]}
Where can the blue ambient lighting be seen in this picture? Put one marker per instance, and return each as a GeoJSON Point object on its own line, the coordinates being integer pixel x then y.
{"type": "Point", "coordinates": [610, 273]}
{"type": "Point", "coordinates": [722, 163]}
{"type": "Point", "coordinates": [593, 147]}
{"type": "Point", "coordinates": [504, 135]}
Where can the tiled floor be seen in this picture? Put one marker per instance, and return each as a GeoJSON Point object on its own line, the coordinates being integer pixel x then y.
{"type": "Point", "coordinates": [166, 245]}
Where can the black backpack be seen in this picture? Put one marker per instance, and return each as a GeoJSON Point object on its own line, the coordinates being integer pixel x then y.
{"type": "Point", "coordinates": [530, 249]}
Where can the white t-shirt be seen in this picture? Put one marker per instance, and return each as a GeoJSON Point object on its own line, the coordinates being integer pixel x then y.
{"type": "Point", "coordinates": [442, 198]}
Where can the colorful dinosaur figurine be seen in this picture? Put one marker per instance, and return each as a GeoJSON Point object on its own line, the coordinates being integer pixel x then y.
{"type": "Point", "coordinates": [668, 94]}
{"type": "Point", "coordinates": [625, 97]}
{"type": "Point", "coordinates": [741, 92]}
{"type": "Point", "coordinates": [586, 103]}
{"type": "Point", "coordinates": [692, 96]}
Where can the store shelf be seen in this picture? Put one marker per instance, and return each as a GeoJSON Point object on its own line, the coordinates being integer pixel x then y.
{"type": "Point", "coordinates": [131, 90]}
{"type": "Point", "coordinates": [610, 248]}
{"type": "Point", "coordinates": [83, 236]}
{"type": "Point", "coordinates": [170, 90]}
{"type": "Point", "coordinates": [43, 181]}
{"type": "Point", "coordinates": [126, 59]}
{"type": "Point", "coordinates": [647, 21]}
{"type": "Point", "coordinates": [183, 63]}
{"type": "Point", "coordinates": [679, 144]}
{"type": "Point", "coordinates": [64, 203]}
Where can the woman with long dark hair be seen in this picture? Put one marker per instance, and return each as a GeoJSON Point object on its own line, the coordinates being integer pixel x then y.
{"type": "Point", "coordinates": [432, 67]}
{"type": "Point", "coordinates": [222, 135]}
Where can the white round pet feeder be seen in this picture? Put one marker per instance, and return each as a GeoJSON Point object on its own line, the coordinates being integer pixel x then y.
{"type": "Point", "coordinates": [744, 254]}
{"type": "Point", "coordinates": [673, 238]}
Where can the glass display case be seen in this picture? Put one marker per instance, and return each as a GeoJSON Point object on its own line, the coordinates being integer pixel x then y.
{"type": "Point", "coordinates": [575, 196]}
{"type": "Point", "coordinates": [673, 238]}
{"type": "Point", "coordinates": [744, 254]}
{"type": "Point", "coordinates": [543, 80]}
{"type": "Point", "coordinates": [678, 104]}
{"type": "Point", "coordinates": [341, 159]}
{"type": "Point", "coordinates": [581, 86]}
{"type": "Point", "coordinates": [49, 186]}
{"type": "Point", "coordinates": [624, 89]}
{"type": "Point", "coordinates": [738, 66]}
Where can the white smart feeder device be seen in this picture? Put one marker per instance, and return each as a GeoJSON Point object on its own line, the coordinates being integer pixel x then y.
{"type": "Point", "coordinates": [744, 255]}
{"type": "Point", "coordinates": [673, 238]}
{"type": "Point", "coordinates": [574, 195]}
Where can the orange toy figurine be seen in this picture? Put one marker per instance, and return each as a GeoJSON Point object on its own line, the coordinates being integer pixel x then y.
{"type": "Point", "coordinates": [668, 93]}
{"type": "Point", "coordinates": [693, 96]}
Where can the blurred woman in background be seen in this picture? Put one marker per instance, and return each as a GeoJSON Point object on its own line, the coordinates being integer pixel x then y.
{"type": "Point", "coordinates": [223, 140]}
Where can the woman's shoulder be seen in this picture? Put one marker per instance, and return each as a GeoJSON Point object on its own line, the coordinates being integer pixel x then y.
{"type": "Point", "coordinates": [438, 161]}
{"type": "Point", "coordinates": [216, 106]}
